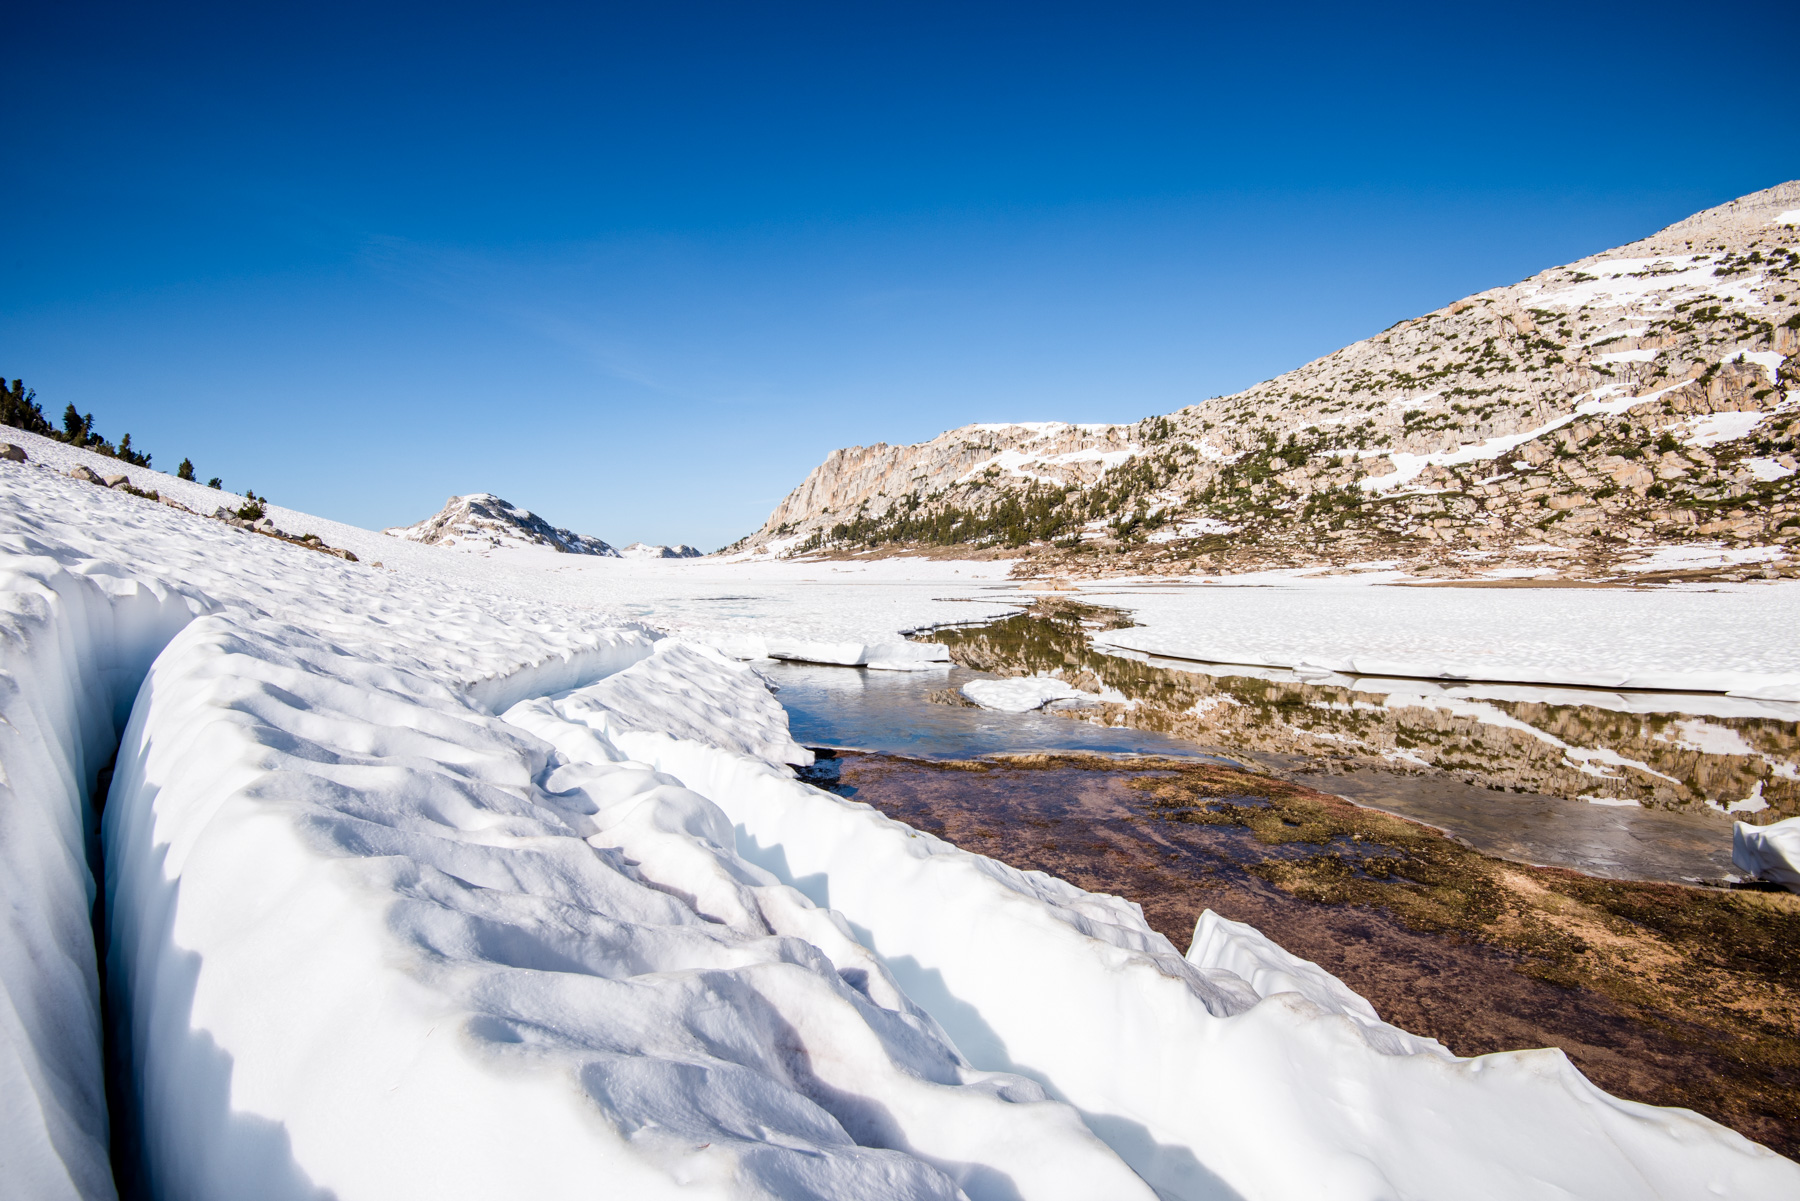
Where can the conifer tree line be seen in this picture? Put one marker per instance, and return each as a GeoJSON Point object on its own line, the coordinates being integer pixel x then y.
{"type": "Point", "coordinates": [19, 408]}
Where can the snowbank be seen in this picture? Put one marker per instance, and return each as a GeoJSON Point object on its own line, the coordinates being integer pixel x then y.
{"type": "Point", "coordinates": [1769, 852]}
{"type": "Point", "coordinates": [377, 943]}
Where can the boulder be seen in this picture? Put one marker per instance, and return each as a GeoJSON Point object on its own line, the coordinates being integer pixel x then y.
{"type": "Point", "coordinates": [11, 453]}
{"type": "Point", "coordinates": [81, 472]}
{"type": "Point", "coordinates": [116, 481]}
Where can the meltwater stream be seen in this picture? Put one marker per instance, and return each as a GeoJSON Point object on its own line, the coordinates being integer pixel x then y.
{"type": "Point", "coordinates": [889, 713]}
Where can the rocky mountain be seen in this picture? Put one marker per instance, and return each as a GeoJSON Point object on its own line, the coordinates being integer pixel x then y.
{"type": "Point", "coordinates": [1645, 396]}
{"type": "Point", "coordinates": [483, 522]}
{"type": "Point", "coordinates": [643, 550]}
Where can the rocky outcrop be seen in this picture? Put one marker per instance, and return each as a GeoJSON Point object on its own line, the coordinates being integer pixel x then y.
{"type": "Point", "coordinates": [1643, 396]}
{"type": "Point", "coordinates": [482, 521]}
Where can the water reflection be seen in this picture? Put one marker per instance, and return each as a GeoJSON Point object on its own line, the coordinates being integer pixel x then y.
{"type": "Point", "coordinates": [852, 709]}
{"type": "Point", "coordinates": [1661, 750]}
{"type": "Point", "coordinates": [1627, 785]}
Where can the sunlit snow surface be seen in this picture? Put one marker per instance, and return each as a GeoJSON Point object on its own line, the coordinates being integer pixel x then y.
{"type": "Point", "coordinates": [439, 880]}
{"type": "Point", "coordinates": [1731, 638]}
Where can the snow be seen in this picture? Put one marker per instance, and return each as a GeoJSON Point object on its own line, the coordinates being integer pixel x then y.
{"type": "Point", "coordinates": [481, 523]}
{"type": "Point", "coordinates": [1224, 950]}
{"type": "Point", "coordinates": [1731, 638]}
{"type": "Point", "coordinates": [1650, 285]}
{"type": "Point", "coordinates": [1408, 467]}
{"type": "Point", "coordinates": [1769, 360]}
{"type": "Point", "coordinates": [1018, 464]}
{"type": "Point", "coordinates": [1627, 356]}
{"type": "Point", "coordinates": [1022, 695]}
{"type": "Point", "coordinates": [1768, 469]}
{"type": "Point", "coordinates": [456, 878]}
{"type": "Point", "coordinates": [1769, 852]}
{"type": "Point", "coordinates": [1703, 554]}
{"type": "Point", "coordinates": [1196, 527]}
{"type": "Point", "coordinates": [1715, 428]}
{"type": "Point", "coordinates": [644, 550]}
{"type": "Point", "coordinates": [1791, 217]}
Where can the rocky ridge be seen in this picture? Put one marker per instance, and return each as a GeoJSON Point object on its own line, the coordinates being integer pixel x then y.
{"type": "Point", "coordinates": [1589, 416]}
{"type": "Point", "coordinates": [482, 522]}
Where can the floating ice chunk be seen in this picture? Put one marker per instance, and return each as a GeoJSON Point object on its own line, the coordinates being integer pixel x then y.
{"type": "Point", "coordinates": [1022, 695]}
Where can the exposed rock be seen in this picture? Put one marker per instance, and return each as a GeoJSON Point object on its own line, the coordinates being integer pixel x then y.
{"type": "Point", "coordinates": [1646, 394]}
{"type": "Point", "coordinates": [116, 481]}
{"type": "Point", "coordinates": [482, 521]}
{"type": "Point", "coordinates": [13, 454]}
{"type": "Point", "coordinates": [80, 472]}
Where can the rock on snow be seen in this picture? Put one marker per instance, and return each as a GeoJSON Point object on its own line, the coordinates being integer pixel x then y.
{"type": "Point", "coordinates": [419, 891]}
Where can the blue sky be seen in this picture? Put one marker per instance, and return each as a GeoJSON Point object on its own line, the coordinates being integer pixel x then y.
{"type": "Point", "coordinates": [641, 267]}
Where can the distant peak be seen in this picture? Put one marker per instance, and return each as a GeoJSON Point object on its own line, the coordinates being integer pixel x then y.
{"type": "Point", "coordinates": [482, 521]}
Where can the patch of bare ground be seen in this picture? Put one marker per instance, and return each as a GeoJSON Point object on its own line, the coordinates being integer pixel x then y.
{"type": "Point", "coordinates": [1660, 993]}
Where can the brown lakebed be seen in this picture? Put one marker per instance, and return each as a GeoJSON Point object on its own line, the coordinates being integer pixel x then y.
{"type": "Point", "coordinates": [1662, 993]}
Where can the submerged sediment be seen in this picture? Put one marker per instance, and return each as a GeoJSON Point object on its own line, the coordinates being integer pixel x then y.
{"type": "Point", "coordinates": [1662, 993]}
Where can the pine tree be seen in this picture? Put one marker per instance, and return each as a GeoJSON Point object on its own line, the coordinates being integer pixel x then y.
{"type": "Point", "coordinates": [215, 482]}
{"type": "Point", "coordinates": [186, 470]}
{"type": "Point", "coordinates": [19, 408]}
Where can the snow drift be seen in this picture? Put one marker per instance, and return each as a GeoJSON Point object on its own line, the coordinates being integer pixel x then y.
{"type": "Point", "coordinates": [1769, 852]}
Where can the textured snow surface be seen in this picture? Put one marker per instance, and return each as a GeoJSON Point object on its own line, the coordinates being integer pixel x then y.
{"type": "Point", "coordinates": [1770, 852]}
{"type": "Point", "coordinates": [438, 882]}
{"type": "Point", "coordinates": [1733, 638]}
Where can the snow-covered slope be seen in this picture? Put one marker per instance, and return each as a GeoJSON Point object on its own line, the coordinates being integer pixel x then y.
{"type": "Point", "coordinates": [420, 889]}
{"type": "Point", "coordinates": [481, 522]}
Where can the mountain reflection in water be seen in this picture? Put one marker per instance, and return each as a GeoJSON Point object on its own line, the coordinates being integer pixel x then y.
{"type": "Point", "coordinates": [1507, 769]}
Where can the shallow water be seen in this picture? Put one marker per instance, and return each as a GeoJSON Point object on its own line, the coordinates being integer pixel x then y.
{"type": "Point", "coordinates": [849, 708]}
{"type": "Point", "coordinates": [888, 712]}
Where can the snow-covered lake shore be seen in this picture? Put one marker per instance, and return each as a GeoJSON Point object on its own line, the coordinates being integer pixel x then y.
{"type": "Point", "coordinates": [455, 876]}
